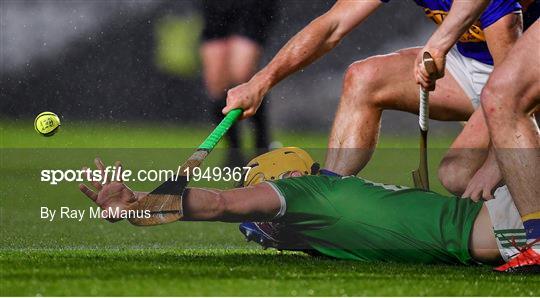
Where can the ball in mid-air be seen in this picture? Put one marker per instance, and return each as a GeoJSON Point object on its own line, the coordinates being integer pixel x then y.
{"type": "Point", "coordinates": [47, 124]}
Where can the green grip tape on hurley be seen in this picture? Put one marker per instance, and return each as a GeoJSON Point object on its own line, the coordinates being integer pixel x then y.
{"type": "Point", "coordinates": [222, 128]}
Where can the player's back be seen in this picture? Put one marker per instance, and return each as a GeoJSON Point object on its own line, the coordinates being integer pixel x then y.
{"type": "Point", "coordinates": [351, 218]}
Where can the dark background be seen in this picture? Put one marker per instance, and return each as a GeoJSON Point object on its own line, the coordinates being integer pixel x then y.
{"type": "Point", "coordinates": [95, 60]}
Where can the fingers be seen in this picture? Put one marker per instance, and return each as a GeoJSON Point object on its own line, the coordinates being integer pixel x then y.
{"type": "Point", "coordinates": [227, 109]}
{"type": "Point", "coordinates": [296, 174]}
{"type": "Point", "coordinates": [291, 174]}
{"type": "Point", "coordinates": [99, 164]}
{"type": "Point", "coordinates": [426, 84]}
{"type": "Point", "coordinates": [245, 97]}
{"type": "Point", "coordinates": [466, 194]}
{"type": "Point", "coordinates": [88, 192]}
{"type": "Point", "coordinates": [420, 72]}
{"type": "Point", "coordinates": [114, 175]}
{"type": "Point", "coordinates": [477, 193]}
{"type": "Point", "coordinates": [101, 168]}
{"type": "Point", "coordinates": [423, 71]}
{"type": "Point", "coordinates": [423, 79]}
{"type": "Point", "coordinates": [92, 179]}
{"type": "Point", "coordinates": [487, 195]}
{"type": "Point", "coordinates": [117, 176]}
{"type": "Point", "coordinates": [429, 81]}
{"type": "Point", "coordinates": [231, 102]}
{"type": "Point", "coordinates": [471, 193]}
{"type": "Point", "coordinates": [248, 112]}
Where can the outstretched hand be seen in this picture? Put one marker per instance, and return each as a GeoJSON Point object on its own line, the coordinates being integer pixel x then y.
{"type": "Point", "coordinates": [247, 96]}
{"type": "Point", "coordinates": [423, 77]}
{"type": "Point", "coordinates": [110, 194]}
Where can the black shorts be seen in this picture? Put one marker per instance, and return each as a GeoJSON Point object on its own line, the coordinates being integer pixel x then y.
{"type": "Point", "coordinates": [248, 18]}
{"type": "Point", "coordinates": [531, 14]}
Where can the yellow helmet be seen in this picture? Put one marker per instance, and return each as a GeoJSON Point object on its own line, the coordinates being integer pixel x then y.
{"type": "Point", "coordinates": [276, 163]}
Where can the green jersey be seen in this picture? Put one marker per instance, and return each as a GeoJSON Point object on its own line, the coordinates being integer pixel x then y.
{"type": "Point", "coordinates": [351, 218]}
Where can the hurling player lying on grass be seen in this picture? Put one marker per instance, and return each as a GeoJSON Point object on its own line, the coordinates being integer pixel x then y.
{"type": "Point", "coordinates": [344, 217]}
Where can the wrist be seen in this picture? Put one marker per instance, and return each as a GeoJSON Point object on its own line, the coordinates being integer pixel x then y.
{"type": "Point", "coordinates": [436, 50]}
{"type": "Point", "coordinates": [439, 44]}
{"type": "Point", "coordinates": [262, 81]}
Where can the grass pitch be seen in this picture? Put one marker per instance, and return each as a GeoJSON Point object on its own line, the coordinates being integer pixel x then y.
{"type": "Point", "coordinates": [94, 257]}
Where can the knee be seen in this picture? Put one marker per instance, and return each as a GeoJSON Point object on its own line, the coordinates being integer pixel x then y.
{"type": "Point", "coordinates": [452, 176]}
{"type": "Point", "coordinates": [496, 99]}
{"type": "Point", "coordinates": [364, 81]}
{"type": "Point", "coordinates": [491, 103]}
{"type": "Point", "coordinates": [503, 103]}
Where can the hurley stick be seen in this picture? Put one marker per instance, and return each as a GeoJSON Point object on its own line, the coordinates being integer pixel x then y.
{"type": "Point", "coordinates": [420, 175]}
{"type": "Point", "coordinates": [165, 202]}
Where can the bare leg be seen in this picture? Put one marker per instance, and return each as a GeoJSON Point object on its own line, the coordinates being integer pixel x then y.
{"type": "Point", "coordinates": [254, 203]}
{"type": "Point", "coordinates": [215, 56]}
{"type": "Point", "coordinates": [376, 84]}
{"type": "Point", "coordinates": [482, 244]}
{"type": "Point", "coordinates": [466, 155]}
{"type": "Point", "coordinates": [509, 99]}
{"type": "Point", "coordinates": [244, 58]}
{"type": "Point", "coordinates": [245, 55]}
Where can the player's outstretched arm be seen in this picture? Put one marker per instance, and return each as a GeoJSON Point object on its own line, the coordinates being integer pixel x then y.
{"type": "Point", "coordinates": [460, 17]}
{"type": "Point", "coordinates": [316, 39]}
{"type": "Point", "coordinates": [255, 203]}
